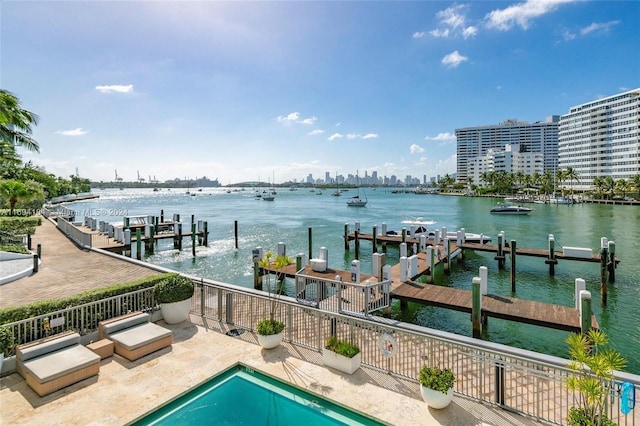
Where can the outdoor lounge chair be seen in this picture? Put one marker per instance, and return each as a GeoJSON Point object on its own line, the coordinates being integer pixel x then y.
{"type": "Point", "coordinates": [134, 336]}
{"type": "Point", "coordinates": [55, 362]}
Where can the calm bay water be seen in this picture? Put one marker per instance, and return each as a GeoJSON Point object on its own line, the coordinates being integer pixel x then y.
{"type": "Point", "coordinates": [290, 216]}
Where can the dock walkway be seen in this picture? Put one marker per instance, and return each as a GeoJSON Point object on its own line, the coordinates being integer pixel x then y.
{"type": "Point", "coordinates": [67, 270]}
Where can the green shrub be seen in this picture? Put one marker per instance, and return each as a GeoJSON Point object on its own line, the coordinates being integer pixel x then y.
{"type": "Point", "coordinates": [593, 365]}
{"type": "Point", "coordinates": [6, 339]}
{"type": "Point", "coordinates": [14, 248]}
{"type": "Point", "coordinates": [436, 378]}
{"type": "Point", "coordinates": [174, 288]}
{"type": "Point", "coordinates": [267, 327]}
{"type": "Point", "coordinates": [18, 313]}
{"type": "Point", "coordinates": [342, 347]}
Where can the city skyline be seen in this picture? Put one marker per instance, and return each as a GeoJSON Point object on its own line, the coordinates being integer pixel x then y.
{"type": "Point", "coordinates": [237, 90]}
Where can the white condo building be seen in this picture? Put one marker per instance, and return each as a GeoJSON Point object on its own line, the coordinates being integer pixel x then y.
{"type": "Point", "coordinates": [539, 137]}
{"type": "Point", "coordinates": [601, 138]}
{"type": "Point", "coordinates": [513, 159]}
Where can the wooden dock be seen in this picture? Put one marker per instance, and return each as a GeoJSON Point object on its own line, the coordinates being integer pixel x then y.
{"type": "Point", "coordinates": [565, 318]}
{"type": "Point", "coordinates": [533, 252]}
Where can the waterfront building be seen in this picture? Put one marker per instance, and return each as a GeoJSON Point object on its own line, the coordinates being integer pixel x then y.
{"type": "Point", "coordinates": [513, 159]}
{"type": "Point", "coordinates": [601, 138]}
{"type": "Point", "coordinates": [540, 137]}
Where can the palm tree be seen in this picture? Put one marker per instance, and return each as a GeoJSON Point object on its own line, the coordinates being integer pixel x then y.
{"type": "Point", "coordinates": [635, 182]}
{"type": "Point", "coordinates": [13, 191]}
{"type": "Point", "coordinates": [15, 126]}
{"type": "Point", "coordinates": [623, 186]}
{"type": "Point", "coordinates": [610, 186]}
{"type": "Point", "coordinates": [571, 174]}
{"type": "Point", "coordinates": [599, 183]}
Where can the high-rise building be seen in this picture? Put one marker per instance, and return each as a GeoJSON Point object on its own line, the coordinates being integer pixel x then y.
{"type": "Point", "coordinates": [540, 137]}
{"type": "Point", "coordinates": [601, 138]}
{"type": "Point", "coordinates": [513, 159]}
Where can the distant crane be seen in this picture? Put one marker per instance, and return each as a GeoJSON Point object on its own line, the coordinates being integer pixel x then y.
{"type": "Point", "coordinates": [118, 178]}
{"type": "Point", "coordinates": [140, 179]}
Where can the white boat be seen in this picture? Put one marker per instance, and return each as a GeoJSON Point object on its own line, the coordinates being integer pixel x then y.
{"type": "Point", "coordinates": [561, 200]}
{"type": "Point", "coordinates": [356, 201]}
{"type": "Point", "coordinates": [421, 228]}
{"type": "Point", "coordinates": [507, 209]}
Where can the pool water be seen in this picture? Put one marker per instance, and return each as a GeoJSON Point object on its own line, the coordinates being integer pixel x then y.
{"type": "Point", "coordinates": [242, 396]}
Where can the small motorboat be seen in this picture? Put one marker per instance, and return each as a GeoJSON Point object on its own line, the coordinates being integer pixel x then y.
{"type": "Point", "coordinates": [507, 209]}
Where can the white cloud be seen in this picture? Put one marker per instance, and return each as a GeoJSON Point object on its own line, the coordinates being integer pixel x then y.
{"type": "Point", "coordinates": [75, 132]}
{"type": "Point", "coordinates": [521, 14]}
{"type": "Point", "coordinates": [453, 59]}
{"type": "Point", "coordinates": [118, 88]}
{"type": "Point", "coordinates": [568, 35]}
{"type": "Point", "coordinates": [416, 149]}
{"type": "Point", "coordinates": [443, 138]}
{"type": "Point", "coordinates": [370, 136]}
{"type": "Point", "coordinates": [316, 132]}
{"type": "Point", "coordinates": [335, 136]}
{"type": "Point", "coordinates": [440, 33]}
{"type": "Point", "coordinates": [469, 32]}
{"type": "Point", "coordinates": [453, 16]}
{"type": "Point", "coordinates": [598, 27]}
{"type": "Point", "coordinates": [453, 19]}
{"type": "Point", "coordinates": [352, 136]}
{"type": "Point", "coordinates": [418, 34]}
{"type": "Point", "coordinates": [294, 117]}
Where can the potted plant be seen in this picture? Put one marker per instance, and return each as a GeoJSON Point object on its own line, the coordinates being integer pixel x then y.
{"type": "Point", "coordinates": [6, 343]}
{"type": "Point", "coordinates": [593, 365]}
{"type": "Point", "coordinates": [436, 386]}
{"type": "Point", "coordinates": [270, 330]}
{"type": "Point", "coordinates": [174, 295]}
{"type": "Point", "coordinates": [341, 355]}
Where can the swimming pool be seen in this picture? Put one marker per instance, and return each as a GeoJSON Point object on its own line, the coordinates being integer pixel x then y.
{"type": "Point", "coordinates": [243, 396]}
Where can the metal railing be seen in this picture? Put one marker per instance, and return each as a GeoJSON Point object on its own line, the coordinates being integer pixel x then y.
{"type": "Point", "coordinates": [517, 380]}
{"type": "Point", "coordinates": [82, 318]}
{"type": "Point", "coordinates": [522, 381]}
{"type": "Point", "coordinates": [81, 238]}
{"type": "Point", "coordinates": [341, 296]}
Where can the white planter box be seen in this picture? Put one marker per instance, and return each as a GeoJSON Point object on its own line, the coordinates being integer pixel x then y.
{"type": "Point", "coordinates": [436, 399]}
{"type": "Point", "coordinates": [339, 362]}
{"type": "Point", "coordinates": [174, 313]}
{"type": "Point", "coordinates": [271, 341]}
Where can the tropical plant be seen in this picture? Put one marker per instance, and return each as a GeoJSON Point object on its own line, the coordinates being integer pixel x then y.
{"type": "Point", "coordinates": [342, 347]}
{"type": "Point", "coordinates": [436, 378]}
{"type": "Point", "coordinates": [270, 325]}
{"type": "Point", "coordinates": [635, 182]}
{"type": "Point", "coordinates": [593, 365]}
{"type": "Point", "coordinates": [6, 339]}
{"type": "Point", "coordinates": [174, 288]}
{"type": "Point", "coordinates": [13, 191]}
{"type": "Point", "coordinates": [15, 125]}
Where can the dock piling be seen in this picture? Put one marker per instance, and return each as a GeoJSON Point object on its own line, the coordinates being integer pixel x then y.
{"type": "Point", "coordinates": [374, 237]}
{"type": "Point", "coordinates": [476, 308]}
{"type": "Point", "coordinates": [513, 265]}
{"type": "Point", "coordinates": [604, 259]}
{"type": "Point", "coordinates": [310, 238]}
{"type": "Point", "coordinates": [235, 233]}
{"type": "Point", "coordinates": [138, 244]}
{"type": "Point", "coordinates": [356, 243]}
{"type": "Point", "coordinates": [346, 236]}
{"type": "Point", "coordinates": [612, 261]}
{"type": "Point", "coordinates": [500, 256]}
{"type": "Point", "coordinates": [194, 236]}
{"type": "Point", "coordinates": [585, 311]}
{"type": "Point", "coordinates": [447, 258]}
{"type": "Point", "coordinates": [551, 259]}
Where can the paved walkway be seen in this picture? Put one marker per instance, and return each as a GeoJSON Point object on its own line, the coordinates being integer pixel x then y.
{"type": "Point", "coordinates": [66, 270]}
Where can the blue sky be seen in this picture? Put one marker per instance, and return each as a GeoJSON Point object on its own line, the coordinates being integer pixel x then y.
{"type": "Point", "coordinates": [248, 90]}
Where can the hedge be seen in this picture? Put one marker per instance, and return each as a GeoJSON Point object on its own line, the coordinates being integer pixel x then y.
{"type": "Point", "coordinates": [18, 313]}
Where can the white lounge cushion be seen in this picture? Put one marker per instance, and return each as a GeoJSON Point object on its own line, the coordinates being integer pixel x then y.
{"type": "Point", "coordinates": [55, 344]}
{"type": "Point", "coordinates": [59, 363]}
{"type": "Point", "coordinates": [140, 335]}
